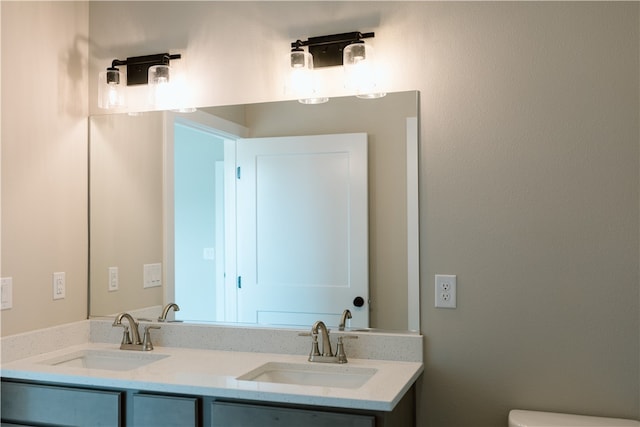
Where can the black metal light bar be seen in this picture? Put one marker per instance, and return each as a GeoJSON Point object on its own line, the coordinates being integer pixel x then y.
{"type": "Point", "coordinates": [138, 66]}
{"type": "Point", "coordinates": [327, 50]}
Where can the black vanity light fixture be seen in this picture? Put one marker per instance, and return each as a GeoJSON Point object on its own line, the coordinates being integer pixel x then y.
{"type": "Point", "coordinates": [347, 50]}
{"type": "Point", "coordinates": [152, 70]}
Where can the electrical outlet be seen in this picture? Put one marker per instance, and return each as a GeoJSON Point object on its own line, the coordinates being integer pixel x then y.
{"type": "Point", "coordinates": [113, 279]}
{"type": "Point", "coordinates": [445, 288]}
{"type": "Point", "coordinates": [6, 290]}
{"type": "Point", "coordinates": [59, 285]}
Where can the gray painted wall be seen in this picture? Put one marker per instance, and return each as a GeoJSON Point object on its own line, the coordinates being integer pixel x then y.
{"type": "Point", "coordinates": [529, 186]}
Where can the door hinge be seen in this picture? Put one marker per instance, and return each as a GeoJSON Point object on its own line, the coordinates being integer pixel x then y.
{"type": "Point", "coordinates": [239, 282]}
{"type": "Point", "coordinates": [238, 172]}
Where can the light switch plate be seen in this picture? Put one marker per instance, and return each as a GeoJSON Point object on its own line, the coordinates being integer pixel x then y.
{"type": "Point", "coordinates": [113, 279]}
{"type": "Point", "coordinates": [152, 275]}
{"type": "Point", "coordinates": [6, 289]}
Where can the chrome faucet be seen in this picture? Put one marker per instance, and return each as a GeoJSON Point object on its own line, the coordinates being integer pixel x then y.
{"type": "Point", "coordinates": [343, 320]}
{"type": "Point", "coordinates": [133, 325]}
{"type": "Point", "coordinates": [133, 341]}
{"type": "Point", "coordinates": [165, 311]}
{"type": "Point", "coordinates": [326, 355]}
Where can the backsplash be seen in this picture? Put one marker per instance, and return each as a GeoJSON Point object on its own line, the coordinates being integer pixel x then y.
{"type": "Point", "coordinates": [14, 347]}
{"type": "Point", "coordinates": [380, 346]}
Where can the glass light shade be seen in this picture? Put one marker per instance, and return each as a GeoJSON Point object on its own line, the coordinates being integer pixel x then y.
{"type": "Point", "coordinates": [160, 89]}
{"type": "Point", "coordinates": [316, 100]}
{"type": "Point", "coordinates": [303, 83]}
{"type": "Point", "coordinates": [360, 72]}
{"type": "Point", "coordinates": [182, 99]}
{"type": "Point", "coordinates": [111, 90]}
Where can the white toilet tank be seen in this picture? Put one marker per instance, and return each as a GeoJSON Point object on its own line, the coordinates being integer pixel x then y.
{"type": "Point", "coordinates": [520, 418]}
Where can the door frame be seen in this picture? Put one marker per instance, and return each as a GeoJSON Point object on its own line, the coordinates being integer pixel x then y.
{"type": "Point", "coordinates": [215, 126]}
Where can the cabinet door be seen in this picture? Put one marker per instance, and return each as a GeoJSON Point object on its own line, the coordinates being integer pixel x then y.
{"type": "Point", "coordinates": [57, 405]}
{"type": "Point", "coordinates": [225, 414]}
{"type": "Point", "coordinates": [151, 410]}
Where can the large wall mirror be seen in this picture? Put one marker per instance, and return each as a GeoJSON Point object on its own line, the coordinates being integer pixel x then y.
{"type": "Point", "coordinates": [307, 206]}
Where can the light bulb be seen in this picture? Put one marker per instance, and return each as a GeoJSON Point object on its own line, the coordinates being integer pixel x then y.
{"type": "Point", "coordinates": [160, 89]}
{"type": "Point", "coordinates": [360, 72]}
{"type": "Point", "coordinates": [303, 83]}
{"type": "Point", "coordinates": [111, 92]}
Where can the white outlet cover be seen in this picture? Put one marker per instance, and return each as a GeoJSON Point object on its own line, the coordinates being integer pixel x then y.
{"type": "Point", "coordinates": [445, 291]}
{"type": "Point", "coordinates": [113, 279]}
{"type": "Point", "coordinates": [59, 285]}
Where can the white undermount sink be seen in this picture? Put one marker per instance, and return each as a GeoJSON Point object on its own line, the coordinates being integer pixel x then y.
{"type": "Point", "coordinates": [112, 360]}
{"type": "Point", "coordinates": [310, 374]}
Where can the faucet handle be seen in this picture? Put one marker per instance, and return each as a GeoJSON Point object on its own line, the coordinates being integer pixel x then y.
{"type": "Point", "coordinates": [315, 351]}
{"type": "Point", "coordinates": [126, 336]}
{"type": "Point", "coordinates": [340, 354]}
{"type": "Point", "coordinates": [146, 341]}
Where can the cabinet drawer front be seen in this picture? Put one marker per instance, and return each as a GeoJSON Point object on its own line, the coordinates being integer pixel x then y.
{"type": "Point", "coordinates": [225, 414]}
{"type": "Point", "coordinates": [32, 403]}
{"type": "Point", "coordinates": [151, 410]}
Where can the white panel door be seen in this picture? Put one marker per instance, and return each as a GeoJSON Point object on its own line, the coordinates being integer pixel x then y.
{"type": "Point", "coordinates": [302, 229]}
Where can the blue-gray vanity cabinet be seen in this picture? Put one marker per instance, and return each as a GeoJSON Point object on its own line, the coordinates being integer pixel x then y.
{"type": "Point", "coordinates": [234, 413]}
{"type": "Point", "coordinates": [226, 414]}
{"type": "Point", "coordinates": [165, 411]}
{"type": "Point", "coordinates": [25, 403]}
{"type": "Point", "coordinates": [35, 403]}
